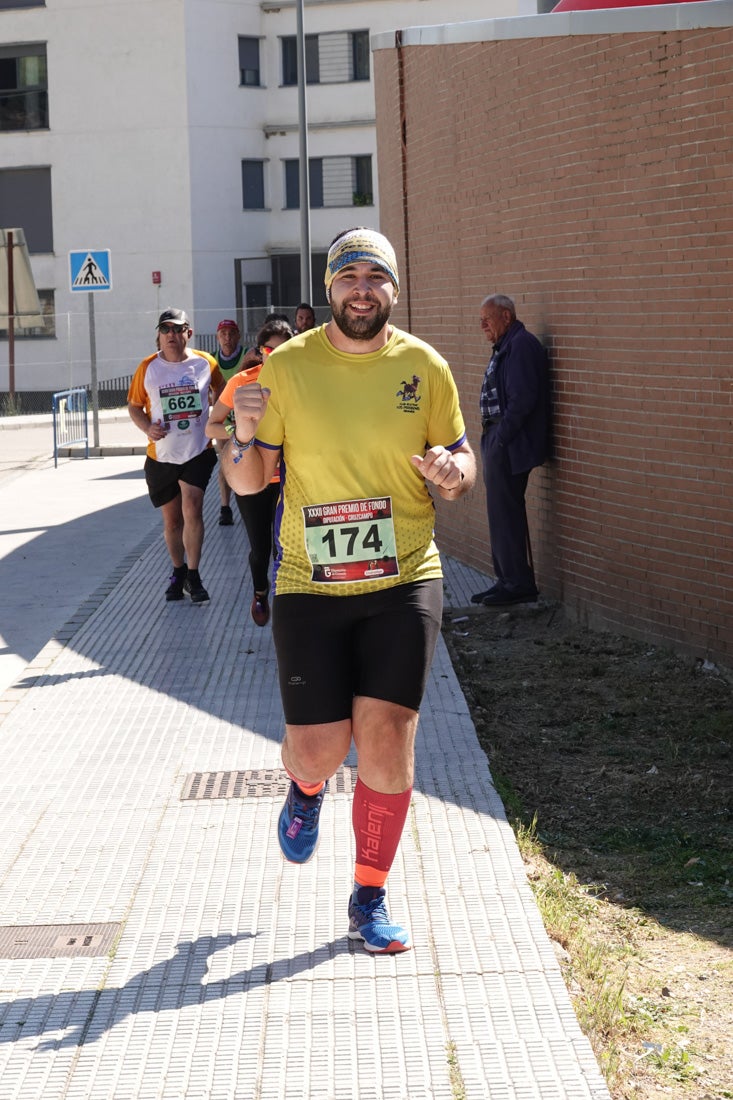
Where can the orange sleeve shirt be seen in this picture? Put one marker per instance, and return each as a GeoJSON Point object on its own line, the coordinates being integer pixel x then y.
{"type": "Point", "coordinates": [251, 374]}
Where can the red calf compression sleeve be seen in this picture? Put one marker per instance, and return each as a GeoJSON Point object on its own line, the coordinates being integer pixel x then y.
{"type": "Point", "coordinates": [378, 820]}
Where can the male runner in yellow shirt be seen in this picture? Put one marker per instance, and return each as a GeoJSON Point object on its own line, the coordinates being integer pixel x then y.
{"type": "Point", "coordinates": [363, 417]}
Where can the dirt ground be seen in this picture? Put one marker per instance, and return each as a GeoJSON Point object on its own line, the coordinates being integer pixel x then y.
{"type": "Point", "coordinates": [620, 752]}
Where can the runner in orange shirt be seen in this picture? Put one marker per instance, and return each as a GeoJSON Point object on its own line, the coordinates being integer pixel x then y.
{"type": "Point", "coordinates": [258, 510]}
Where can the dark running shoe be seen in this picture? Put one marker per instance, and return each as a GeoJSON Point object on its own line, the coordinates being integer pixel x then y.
{"type": "Point", "coordinates": [226, 519]}
{"type": "Point", "coordinates": [369, 921]}
{"type": "Point", "coordinates": [297, 828]}
{"type": "Point", "coordinates": [194, 587]}
{"type": "Point", "coordinates": [174, 591]}
{"type": "Point", "coordinates": [260, 609]}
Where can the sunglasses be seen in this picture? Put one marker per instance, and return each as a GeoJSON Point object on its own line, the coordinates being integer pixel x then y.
{"type": "Point", "coordinates": [165, 329]}
{"type": "Point", "coordinates": [266, 350]}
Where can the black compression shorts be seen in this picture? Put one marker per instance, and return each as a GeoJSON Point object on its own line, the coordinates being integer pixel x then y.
{"type": "Point", "coordinates": [331, 648]}
{"type": "Point", "coordinates": [162, 477]}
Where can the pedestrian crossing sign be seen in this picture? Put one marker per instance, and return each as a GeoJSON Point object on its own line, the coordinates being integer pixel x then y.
{"type": "Point", "coordinates": [89, 269]}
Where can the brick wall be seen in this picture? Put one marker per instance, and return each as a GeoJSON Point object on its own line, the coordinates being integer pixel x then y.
{"type": "Point", "coordinates": [590, 177]}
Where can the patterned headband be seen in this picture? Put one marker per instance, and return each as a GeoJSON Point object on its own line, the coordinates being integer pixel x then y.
{"type": "Point", "coordinates": [361, 246]}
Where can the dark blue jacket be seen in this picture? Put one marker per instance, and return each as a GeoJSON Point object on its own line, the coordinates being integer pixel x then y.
{"type": "Point", "coordinates": [522, 383]}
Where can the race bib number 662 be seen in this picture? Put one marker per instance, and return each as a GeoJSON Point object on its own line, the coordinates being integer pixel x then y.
{"type": "Point", "coordinates": [180, 403]}
{"type": "Point", "coordinates": [351, 540]}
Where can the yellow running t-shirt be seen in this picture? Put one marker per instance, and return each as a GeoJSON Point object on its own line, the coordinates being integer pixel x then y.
{"type": "Point", "coordinates": [354, 514]}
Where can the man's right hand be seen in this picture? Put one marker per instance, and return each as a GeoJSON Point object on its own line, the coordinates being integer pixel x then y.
{"type": "Point", "coordinates": [250, 403]}
{"type": "Point", "coordinates": [157, 430]}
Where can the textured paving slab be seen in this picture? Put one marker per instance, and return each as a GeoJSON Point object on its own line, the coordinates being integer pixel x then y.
{"type": "Point", "coordinates": [63, 531]}
{"type": "Point", "coordinates": [232, 976]}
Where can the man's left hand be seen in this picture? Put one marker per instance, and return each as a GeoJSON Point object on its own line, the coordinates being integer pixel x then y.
{"type": "Point", "coordinates": [439, 466]}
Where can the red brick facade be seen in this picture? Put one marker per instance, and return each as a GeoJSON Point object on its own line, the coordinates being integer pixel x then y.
{"type": "Point", "coordinates": [590, 177]}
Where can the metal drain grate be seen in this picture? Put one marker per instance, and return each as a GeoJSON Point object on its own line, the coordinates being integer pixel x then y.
{"type": "Point", "coordinates": [56, 941]}
{"type": "Point", "coordinates": [262, 783]}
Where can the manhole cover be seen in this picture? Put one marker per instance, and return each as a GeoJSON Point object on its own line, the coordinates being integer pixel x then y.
{"type": "Point", "coordinates": [260, 783]}
{"type": "Point", "coordinates": [53, 941]}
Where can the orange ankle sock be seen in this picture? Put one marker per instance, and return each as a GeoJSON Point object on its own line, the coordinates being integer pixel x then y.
{"type": "Point", "coordinates": [308, 789]}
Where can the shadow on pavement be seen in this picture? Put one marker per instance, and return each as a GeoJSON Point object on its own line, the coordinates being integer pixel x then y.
{"type": "Point", "coordinates": [175, 983]}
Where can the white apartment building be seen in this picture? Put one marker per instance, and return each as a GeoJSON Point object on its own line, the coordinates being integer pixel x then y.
{"type": "Point", "coordinates": [166, 133]}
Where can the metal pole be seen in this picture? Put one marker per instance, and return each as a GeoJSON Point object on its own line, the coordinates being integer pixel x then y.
{"type": "Point", "coordinates": [11, 319]}
{"type": "Point", "coordinates": [93, 357]}
{"type": "Point", "coordinates": [305, 232]}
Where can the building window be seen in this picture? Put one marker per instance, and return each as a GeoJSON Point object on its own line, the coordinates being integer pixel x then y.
{"type": "Point", "coordinates": [48, 313]}
{"type": "Point", "coordinates": [334, 58]}
{"type": "Point", "coordinates": [23, 88]}
{"type": "Point", "coordinates": [315, 183]}
{"type": "Point", "coordinates": [249, 62]}
{"type": "Point", "coordinates": [253, 184]}
{"type": "Point", "coordinates": [286, 276]}
{"type": "Point", "coordinates": [333, 181]}
{"type": "Point", "coordinates": [25, 201]}
{"type": "Point", "coordinates": [290, 59]}
{"type": "Point", "coordinates": [360, 55]}
{"type": "Point", "coordinates": [363, 193]}
{"type": "Point", "coordinates": [258, 303]}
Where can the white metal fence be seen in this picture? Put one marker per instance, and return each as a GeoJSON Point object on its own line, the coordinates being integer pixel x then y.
{"type": "Point", "coordinates": [70, 421]}
{"type": "Point", "coordinates": [61, 359]}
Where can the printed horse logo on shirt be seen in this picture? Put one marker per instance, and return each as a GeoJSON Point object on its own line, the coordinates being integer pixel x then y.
{"type": "Point", "coordinates": [409, 389]}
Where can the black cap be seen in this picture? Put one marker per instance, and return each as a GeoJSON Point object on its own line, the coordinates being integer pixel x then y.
{"type": "Point", "coordinates": [173, 317]}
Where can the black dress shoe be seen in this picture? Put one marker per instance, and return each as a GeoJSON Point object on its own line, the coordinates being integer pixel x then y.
{"type": "Point", "coordinates": [501, 598]}
{"type": "Point", "coordinates": [479, 597]}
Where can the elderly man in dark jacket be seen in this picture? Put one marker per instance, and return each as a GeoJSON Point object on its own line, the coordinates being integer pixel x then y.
{"type": "Point", "coordinates": [515, 431]}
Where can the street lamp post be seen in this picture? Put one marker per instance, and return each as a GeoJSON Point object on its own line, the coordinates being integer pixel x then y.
{"type": "Point", "coordinates": [305, 232]}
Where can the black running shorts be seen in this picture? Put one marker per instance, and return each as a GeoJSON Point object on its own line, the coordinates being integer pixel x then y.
{"type": "Point", "coordinates": [331, 648]}
{"type": "Point", "coordinates": [162, 477]}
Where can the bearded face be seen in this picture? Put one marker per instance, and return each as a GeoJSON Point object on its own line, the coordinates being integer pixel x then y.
{"type": "Point", "coordinates": [362, 298]}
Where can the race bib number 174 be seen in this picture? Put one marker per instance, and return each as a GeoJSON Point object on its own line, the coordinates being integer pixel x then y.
{"type": "Point", "coordinates": [351, 540]}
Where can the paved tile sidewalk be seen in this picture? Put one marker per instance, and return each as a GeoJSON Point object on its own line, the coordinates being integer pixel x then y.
{"type": "Point", "coordinates": [26, 442]}
{"type": "Point", "coordinates": [62, 530]}
{"type": "Point", "coordinates": [231, 976]}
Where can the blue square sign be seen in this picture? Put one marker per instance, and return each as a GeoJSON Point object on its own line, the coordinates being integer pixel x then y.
{"type": "Point", "coordinates": [89, 269]}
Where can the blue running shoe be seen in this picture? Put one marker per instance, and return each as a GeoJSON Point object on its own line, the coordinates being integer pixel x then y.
{"type": "Point", "coordinates": [297, 828]}
{"type": "Point", "coordinates": [369, 921]}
